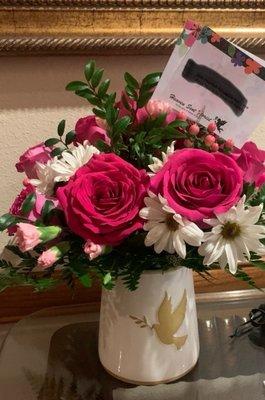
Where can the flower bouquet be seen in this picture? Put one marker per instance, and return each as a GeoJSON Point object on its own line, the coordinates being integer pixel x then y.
{"type": "Point", "coordinates": [138, 196]}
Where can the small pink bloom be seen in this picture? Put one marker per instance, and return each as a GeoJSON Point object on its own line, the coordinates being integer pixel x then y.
{"type": "Point", "coordinates": [47, 259]}
{"type": "Point", "coordinates": [188, 143]}
{"type": "Point", "coordinates": [194, 129]}
{"type": "Point", "coordinates": [229, 143]}
{"type": "Point", "coordinates": [93, 250]}
{"type": "Point", "coordinates": [87, 129]}
{"type": "Point", "coordinates": [156, 107]}
{"type": "Point", "coordinates": [215, 147]}
{"type": "Point", "coordinates": [209, 140]}
{"type": "Point", "coordinates": [211, 127]}
{"type": "Point", "coordinates": [28, 236]}
{"type": "Point", "coordinates": [181, 115]}
{"type": "Point", "coordinates": [27, 161]}
{"type": "Point", "coordinates": [252, 162]}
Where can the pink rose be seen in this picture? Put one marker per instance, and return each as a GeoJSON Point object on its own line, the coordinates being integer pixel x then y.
{"type": "Point", "coordinates": [251, 160]}
{"type": "Point", "coordinates": [87, 129]}
{"type": "Point", "coordinates": [102, 200]}
{"type": "Point", "coordinates": [35, 213]}
{"type": "Point", "coordinates": [27, 162]}
{"type": "Point", "coordinates": [198, 184]}
{"type": "Point", "coordinates": [93, 250]}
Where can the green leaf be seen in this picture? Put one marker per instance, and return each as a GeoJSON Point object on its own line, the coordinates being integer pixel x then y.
{"type": "Point", "coordinates": [57, 152]}
{"type": "Point", "coordinates": [107, 278]}
{"type": "Point", "coordinates": [144, 98]}
{"type": "Point", "coordinates": [76, 85]}
{"type": "Point", "coordinates": [8, 220]}
{"type": "Point", "coordinates": [28, 203]}
{"type": "Point", "coordinates": [69, 138]}
{"type": "Point", "coordinates": [131, 81]}
{"type": "Point", "coordinates": [131, 92]}
{"type": "Point", "coordinates": [95, 101]}
{"type": "Point", "coordinates": [122, 124]}
{"type": "Point", "coordinates": [61, 127]}
{"type": "Point", "coordinates": [103, 88]}
{"type": "Point", "coordinates": [47, 207]}
{"type": "Point", "coordinates": [111, 115]}
{"type": "Point", "coordinates": [150, 83]}
{"type": "Point", "coordinates": [178, 124]}
{"type": "Point", "coordinates": [96, 78]}
{"type": "Point", "coordinates": [85, 280]}
{"type": "Point", "coordinates": [99, 113]}
{"type": "Point", "coordinates": [51, 142]}
{"type": "Point", "coordinates": [89, 69]}
{"type": "Point", "coordinates": [84, 92]}
{"type": "Point", "coordinates": [153, 75]}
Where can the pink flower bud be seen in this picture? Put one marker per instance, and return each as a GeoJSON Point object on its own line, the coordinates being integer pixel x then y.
{"type": "Point", "coordinates": [53, 254]}
{"type": "Point", "coordinates": [229, 143]}
{"type": "Point", "coordinates": [156, 107]}
{"type": "Point", "coordinates": [209, 140]}
{"type": "Point", "coordinates": [181, 115]}
{"type": "Point", "coordinates": [215, 147]}
{"type": "Point", "coordinates": [188, 143]}
{"type": "Point", "coordinates": [47, 259]}
{"type": "Point", "coordinates": [27, 236]}
{"type": "Point", "coordinates": [211, 127]}
{"type": "Point", "coordinates": [194, 129]}
{"type": "Point", "coordinates": [93, 250]}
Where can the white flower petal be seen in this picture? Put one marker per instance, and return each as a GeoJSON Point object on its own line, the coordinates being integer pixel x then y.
{"type": "Point", "coordinates": [179, 245]}
{"type": "Point", "coordinates": [232, 258]}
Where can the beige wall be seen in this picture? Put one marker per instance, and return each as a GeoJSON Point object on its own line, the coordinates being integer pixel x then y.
{"type": "Point", "coordinates": [33, 101]}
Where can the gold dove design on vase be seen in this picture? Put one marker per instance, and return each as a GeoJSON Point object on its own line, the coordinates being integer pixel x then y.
{"type": "Point", "coordinates": [169, 321]}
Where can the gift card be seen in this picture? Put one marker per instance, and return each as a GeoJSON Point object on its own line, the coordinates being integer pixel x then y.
{"type": "Point", "coordinates": [214, 80]}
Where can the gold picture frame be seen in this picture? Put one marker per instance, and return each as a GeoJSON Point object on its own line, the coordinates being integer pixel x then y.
{"type": "Point", "coordinates": [38, 27]}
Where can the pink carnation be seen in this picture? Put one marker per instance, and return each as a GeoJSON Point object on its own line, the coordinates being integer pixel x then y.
{"type": "Point", "coordinates": [93, 250]}
{"type": "Point", "coordinates": [251, 160]}
{"type": "Point", "coordinates": [87, 129]}
{"type": "Point", "coordinates": [198, 184]}
{"type": "Point", "coordinates": [47, 259]}
{"type": "Point", "coordinates": [27, 161]}
{"type": "Point", "coordinates": [156, 107]}
{"type": "Point", "coordinates": [27, 236]}
{"type": "Point", "coordinates": [102, 200]}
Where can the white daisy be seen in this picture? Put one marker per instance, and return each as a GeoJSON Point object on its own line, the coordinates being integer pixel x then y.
{"type": "Point", "coordinates": [167, 230]}
{"type": "Point", "coordinates": [233, 236]}
{"type": "Point", "coordinates": [72, 160]}
{"type": "Point", "coordinates": [157, 163]}
{"type": "Point", "coordinates": [46, 175]}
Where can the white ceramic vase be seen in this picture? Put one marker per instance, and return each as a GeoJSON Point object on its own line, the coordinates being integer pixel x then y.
{"type": "Point", "coordinates": [150, 336]}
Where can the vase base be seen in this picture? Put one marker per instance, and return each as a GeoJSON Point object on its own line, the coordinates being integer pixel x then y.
{"type": "Point", "coordinates": [152, 383]}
